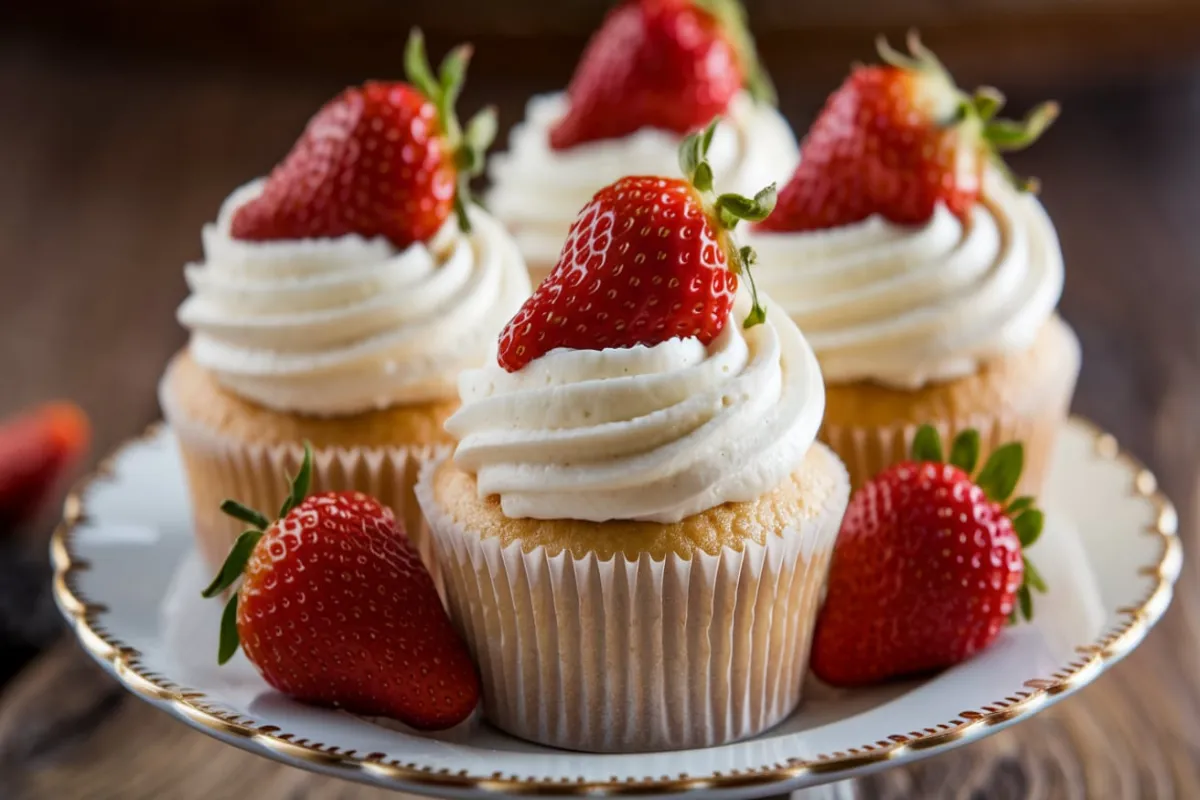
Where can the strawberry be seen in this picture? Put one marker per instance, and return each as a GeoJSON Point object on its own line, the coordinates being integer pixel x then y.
{"type": "Point", "coordinates": [36, 450]}
{"type": "Point", "coordinates": [647, 260]}
{"type": "Point", "coordinates": [383, 159]}
{"type": "Point", "coordinates": [928, 564]}
{"type": "Point", "coordinates": [670, 64]}
{"type": "Point", "coordinates": [336, 609]}
{"type": "Point", "coordinates": [896, 140]}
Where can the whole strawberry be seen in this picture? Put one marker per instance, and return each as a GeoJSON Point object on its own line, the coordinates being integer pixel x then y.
{"type": "Point", "coordinates": [37, 449]}
{"type": "Point", "coordinates": [647, 260]}
{"type": "Point", "coordinates": [336, 609]}
{"type": "Point", "coordinates": [383, 159]}
{"type": "Point", "coordinates": [928, 566]}
{"type": "Point", "coordinates": [896, 140]}
{"type": "Point", "coordinates": [670, 64]}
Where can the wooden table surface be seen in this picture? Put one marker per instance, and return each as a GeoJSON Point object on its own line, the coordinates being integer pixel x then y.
{"type": "Point", "coordinates": [107, 172]}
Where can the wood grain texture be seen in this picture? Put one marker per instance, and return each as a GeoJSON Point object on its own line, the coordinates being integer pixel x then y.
{"type": "Point", "coordinates": [107, 171]}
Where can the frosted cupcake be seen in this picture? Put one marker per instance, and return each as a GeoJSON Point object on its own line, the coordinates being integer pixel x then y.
{"type": "Point", "coordinates": [337, 302]}
{"type": "Point", "coordinates": [655, 71]}
{"type": "Point", "coordinates": [925, 276]}
{"type": "Point", "coordinates": [636, 523]}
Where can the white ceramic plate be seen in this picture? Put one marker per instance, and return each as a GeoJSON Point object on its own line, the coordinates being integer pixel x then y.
{"type": "Point", "coordinates": [129, 583]}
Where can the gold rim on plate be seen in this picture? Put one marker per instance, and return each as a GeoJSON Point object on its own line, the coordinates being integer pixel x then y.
{"type": "Point", "coordinates": [125, 663]}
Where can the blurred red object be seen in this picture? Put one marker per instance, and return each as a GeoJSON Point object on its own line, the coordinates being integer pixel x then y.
{"type": "Point", "coordinates": [38, 448]}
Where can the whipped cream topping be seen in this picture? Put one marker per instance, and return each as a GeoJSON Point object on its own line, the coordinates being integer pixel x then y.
{"type": "Point", "coordinates": [538, 191]}
{"type": "Point", "coordinates": [343, 325]}
{"type": "Point", "coordinates": [907, 306]}
{"type": "Point", "coordinates": [643, 433]}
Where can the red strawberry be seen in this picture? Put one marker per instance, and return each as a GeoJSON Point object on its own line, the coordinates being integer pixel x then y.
{"type": "Point", "coordinates": [336, 609]}
{"type": "Point", "coordinates": [647, 260]}
{"type": "Point", "coordinates": [896, 140]}
{"type": "Point", "coordinates": [671, 64]}
{"type": "Point", "coordinates": [383, 159]}
{"type": "Point", "coordinates": [36, 450]}
{"type": "Point", "coordinates": [928, 565]}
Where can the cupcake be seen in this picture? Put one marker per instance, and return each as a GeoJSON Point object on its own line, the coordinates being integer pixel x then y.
{"type": "Point", "coordinates": [924, 274]}
{"type": "Point", "coordinates": [636, 523]}
{"type": "Point", "coordinates": [336, 303]}
{"type": "Point", "coordinates": [654, 72]}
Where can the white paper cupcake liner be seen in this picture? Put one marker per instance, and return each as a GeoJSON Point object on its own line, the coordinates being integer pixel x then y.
{"type": "Point", "coordinates": [627, 655]}
{"type": "Point", "coordinates": [258, 476]}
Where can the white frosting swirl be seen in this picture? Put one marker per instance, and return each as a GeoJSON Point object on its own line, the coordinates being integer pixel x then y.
{"type": "Point", "coordinates": [538, 191]}
{"type": "Point", "coordinates": [643, 433]}
{"type": "Point", "coordinates": [343, 325]}
{"type": "Point", "coordinates": [906, 306]}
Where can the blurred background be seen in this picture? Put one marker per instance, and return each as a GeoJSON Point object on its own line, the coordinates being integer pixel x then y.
{"type": "Point", "coordinates": [124, 123]}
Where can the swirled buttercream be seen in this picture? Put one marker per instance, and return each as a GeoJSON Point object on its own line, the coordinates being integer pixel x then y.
{"type": "Point", "coordinates": [906, 306]}
{"type": "Point", "coordinates": [643, 433]}
{"type": "Point", "coordinates": [343, 325]}
{"type": "Point", "coordinates": [537, 191]}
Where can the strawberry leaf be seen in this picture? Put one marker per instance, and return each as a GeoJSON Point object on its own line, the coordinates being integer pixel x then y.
{"type": "Point", "coordinates": [964, 451]}
{"type": "Point", "coordinates": [229, 632]}
{"type": "Point", "coordinates": [1025, 599]}
{"type": "Point", "coordinates": [735, 207]}
{"type": "Point", "coordinates": [702, 177]}
{"type": "Point", "coordinates": [451, 75]}
{"type": "Point", "coordinates": [416, 66]}
{"type": "Point", "coordinates": [300, 484]}
{"type": "Point", "coordinates": [1006, 134]}
{"type": "Point", "coordinates": [480, 133]}
{"type": "Point", "coordinates": [1033, 577]}
{"type": "Point", "coordinates": [707, 136]}
{"type": "Point", "coordinates": [927, 445]}
{"type": "Point", "coordinates": [757, 316]}
{"type": "Point", "coordinates": [765, 200]}
{"type": "Point", "coordinates": [689, 156]}
{"type": "Point", "coordinates": [1000, 474]}
{"type": "Point", "coordinates": [1028, 526]}
{"type": "Point", "coordinates": [692, 154]}
{"type": "Point", "coordinates": [987, 101]}
{"type": "Point", "coordinates": [744, 257]}
{"type": "Point", "coordinates": [247, 515]}
{"type": "Point", "coordinates": [1019, 505]}
{"type": "Point", "coordinates": [235, 563]}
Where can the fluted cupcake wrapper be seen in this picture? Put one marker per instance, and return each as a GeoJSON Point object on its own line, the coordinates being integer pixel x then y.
{"type": "Point", "coordinates": [258, 476]}
{"type": "Point", "coordinates": [868, 450]}
{"type": "Point", "coordinates": [627, 655]}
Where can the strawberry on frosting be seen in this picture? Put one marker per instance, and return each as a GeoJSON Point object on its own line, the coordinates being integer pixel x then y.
{"type": "Point", "coordinates": [902, 245]}
{"type": "Point", "coordinates": [649, 259]}
{"type": "Point", "coordinates": [655, 71]}
{"type": "Point", "coordinates": [345, 282]}
{"type": "Point", "coordinates": [670, 64]}
{"type": "Point", "coordinates": [897, 139]}
{"type": "Point", "coordinates": [644, 379]}
{"type": "Point", "coordinates": [382, 159]}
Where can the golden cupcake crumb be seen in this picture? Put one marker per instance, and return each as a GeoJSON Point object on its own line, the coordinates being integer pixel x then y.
{"type": "Point", "coordinates": [1019, 383]}
{"type": "Point", "coordinates": [803, 496]}
{"type": "Point", "coordinates": [199, 399]}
